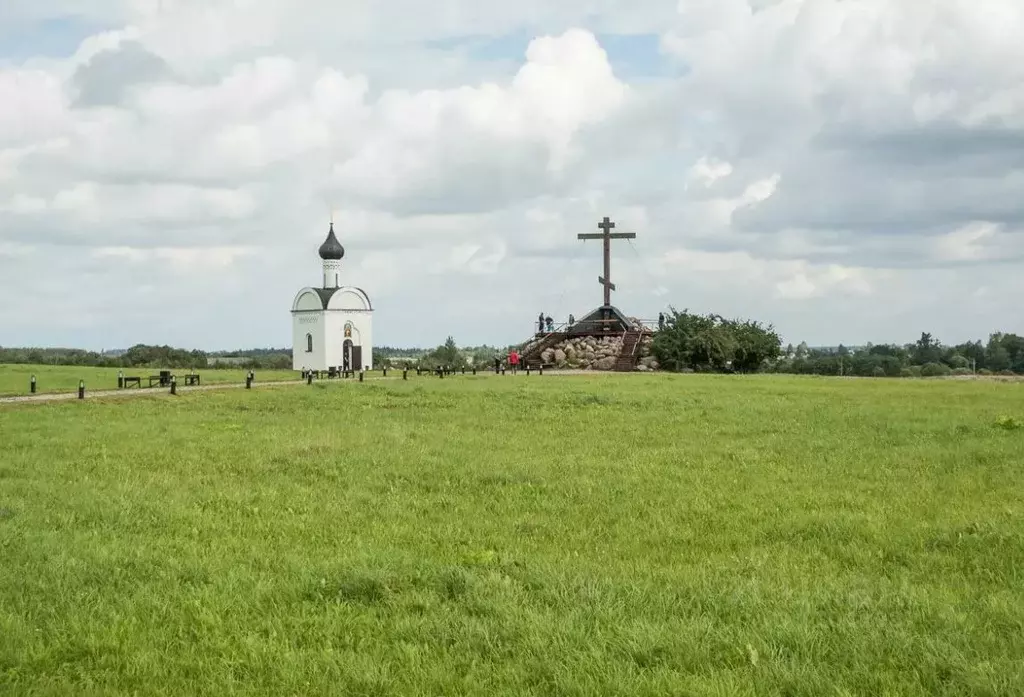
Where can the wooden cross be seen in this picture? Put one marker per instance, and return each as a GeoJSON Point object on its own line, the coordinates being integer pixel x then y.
{"type": "Point", "coordinates": [607, 235]}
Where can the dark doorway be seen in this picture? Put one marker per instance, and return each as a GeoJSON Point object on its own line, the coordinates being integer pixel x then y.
{"type": "Point", "coordinates": [351, 355]}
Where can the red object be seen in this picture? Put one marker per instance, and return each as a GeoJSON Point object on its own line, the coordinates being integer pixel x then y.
{"type": "Point", "coordinates": [513, 358]}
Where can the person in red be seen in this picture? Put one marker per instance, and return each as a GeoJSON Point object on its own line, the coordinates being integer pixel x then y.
{"type": "Point", "coordinates": [513, 361]}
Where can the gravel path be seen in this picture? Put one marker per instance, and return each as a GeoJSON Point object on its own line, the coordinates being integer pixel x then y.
{"type": "Point", "coordinates": [136, 392]}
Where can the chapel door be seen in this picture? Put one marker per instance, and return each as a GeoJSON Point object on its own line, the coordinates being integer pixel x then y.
{"type": "Point", "coordinates": [357, 357]}
{"type": "Point", "coordinates": [346, 352]}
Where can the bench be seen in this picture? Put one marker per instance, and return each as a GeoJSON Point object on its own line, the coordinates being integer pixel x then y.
{"type": "Point", "coordinates": [133, 379]}
{"type": "Point", "coordinates": [164, 378]}
{"type": "Point", "coordinates": [191, 379]}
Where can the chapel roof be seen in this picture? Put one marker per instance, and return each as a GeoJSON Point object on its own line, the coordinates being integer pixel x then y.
{"type": "Point", "coordinates": [331, 248]}
{"type": "Point", "coordinates": [327, 293]}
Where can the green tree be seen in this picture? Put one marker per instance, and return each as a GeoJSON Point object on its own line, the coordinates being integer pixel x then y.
{"type": "Point", "coordinates": [927, 350]}
{"type": "Point", "coordinates": [448, 354]}
{"type": "Point", "coordinates": [753, 344]}
{"type": "Point", "coordinates": [711, 342]}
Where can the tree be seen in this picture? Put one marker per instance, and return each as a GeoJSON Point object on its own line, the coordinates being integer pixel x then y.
{"type": "Point", "coordinates": [753, 344]}
{"type": "Point", "coordinates": [711, 342]}
{"type": "Point", "coordinates": [927, 350]}
{"type": "Point", "coordinates": [447, 354]}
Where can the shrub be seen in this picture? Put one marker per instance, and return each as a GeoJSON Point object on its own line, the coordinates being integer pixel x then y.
{"type": "Point", "coordinates": [934, 370]}
{"type": "Point", "coordinates": [984, 371]}
{"type": "Point", "coordinates": [915, 371]}
{"type": "Point", "coordinates": [907, 373]}
{"type": "Point", "coordinates": [878, 372]}
{"type": "Point", "coordinates": [962, 371]}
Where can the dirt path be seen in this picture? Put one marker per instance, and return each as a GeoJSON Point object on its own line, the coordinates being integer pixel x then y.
{"type": "Point", "coordinates": [135, 392]}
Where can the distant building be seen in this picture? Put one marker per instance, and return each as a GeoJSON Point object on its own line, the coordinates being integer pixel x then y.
{"type": "Point", "coordinates": [332, 326]}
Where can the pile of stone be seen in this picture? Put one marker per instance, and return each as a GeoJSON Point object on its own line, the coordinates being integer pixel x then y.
{"type": "Point", "coordinates": [595, 353]}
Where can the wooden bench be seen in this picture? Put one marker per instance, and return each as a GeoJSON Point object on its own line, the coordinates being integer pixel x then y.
{"type": "Point", "coordinates": [164, 378]}
{"type": "Point", "coordinates": [133, 379]}
{"type": "Point", "coordinates": [191, 379]}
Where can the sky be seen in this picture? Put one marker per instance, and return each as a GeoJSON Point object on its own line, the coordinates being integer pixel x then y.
{"type": "Point", "coordinates": [846, 170]}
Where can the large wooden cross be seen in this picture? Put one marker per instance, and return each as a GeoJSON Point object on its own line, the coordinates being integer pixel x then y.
{"type": "Point", "coordinates": [607, 235]}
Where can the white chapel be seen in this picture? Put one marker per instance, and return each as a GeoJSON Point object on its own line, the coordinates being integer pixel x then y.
{"type": "Point", "coordinates": [332, 326]}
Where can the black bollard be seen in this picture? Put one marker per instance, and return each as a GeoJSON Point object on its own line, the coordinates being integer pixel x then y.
{"type": "Point", "coordinates": [120, 379]}
{"type": "Point", "coordinates": [527, 370]}
{"type": "Point", "coordinates": [81, 389]}
{"type": "Point", "coordinates": [385, 372]}
{"type": "Point", "coordinates": [503, 371]}
{"type": "Point", "coordinates": [463, 371]}
{"type": "Point", "coordinates": [540, 369]}
{"type": "Point", "coordinates": [248, 381]}
{"type": "Point", "coordinates": [174, 385]}
{"type": "Point", "coordinates": [405, 374]}
{"type": "Point", "coordinates": [360, 376]}
{"type": "Point", "coordinates": [32, 385]}
{"type": "Point", "coordinates": [309, 378]}
{"type": "Point", "coordinates": [474, 371]}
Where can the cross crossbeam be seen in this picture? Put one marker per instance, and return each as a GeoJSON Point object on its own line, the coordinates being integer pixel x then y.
{"type": "Point", "coordinates": [606, 235]}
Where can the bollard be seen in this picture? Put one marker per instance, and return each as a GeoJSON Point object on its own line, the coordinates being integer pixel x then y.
{"type": "Point", "coordinates": [174, 385]}
{"type": "Point", "coordinates": [32, 385]}
{"type": "Point", "coordinates": [385, 372]}
{"type": "Point", "coordinates": [81, 389]}
{"type": "Point", "coordinates": [309, 378]}
{"type": "Point", "coordinates": [360, 376]}
{"type": "Point", "coordinates": [405, 374]}
{"type": "Point", "coordinates": [248, 381]}
{"type": "Point", "coordinates": [463, 371]}
{"type": "Point", "coordinates": [527, 370]}
{"type": "Point", "coordinates": [540, 370]}
{"type": "Point", "coordinates": [502, 370]}
{"type": "Point", "coordinates": [120, 379]}
{"type": "Point", "coordinates": [474, 371]}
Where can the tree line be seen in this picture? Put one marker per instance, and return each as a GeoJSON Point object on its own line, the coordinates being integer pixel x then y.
{"type": "Point", "coordinates": [686, 342]}
{"type": "Point", "coordinates": [169, 357]}
{"type": "Point", "coordinates": [1002, 354]}
{"type": "Point", "coordinates": [712, 343]}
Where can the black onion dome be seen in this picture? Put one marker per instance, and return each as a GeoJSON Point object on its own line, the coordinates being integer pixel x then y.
{"type": "Point", "coordinates": [331, 248]}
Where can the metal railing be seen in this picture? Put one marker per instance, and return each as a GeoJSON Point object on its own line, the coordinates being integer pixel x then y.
{"type": "Point", "coordinates": [561, 327]}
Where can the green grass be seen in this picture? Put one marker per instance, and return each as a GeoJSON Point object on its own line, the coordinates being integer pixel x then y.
{"type": "Point", "coordinates": [15, 379]}
{"type": "Point", "coordinates": [597, 535]}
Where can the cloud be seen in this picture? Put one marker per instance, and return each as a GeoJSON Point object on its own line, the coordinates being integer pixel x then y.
{"type": "Point", "coordinates": [849, 171]}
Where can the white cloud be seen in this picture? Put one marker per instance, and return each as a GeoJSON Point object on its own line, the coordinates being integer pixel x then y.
{"type": "Point", "coordinates": [831, 166]}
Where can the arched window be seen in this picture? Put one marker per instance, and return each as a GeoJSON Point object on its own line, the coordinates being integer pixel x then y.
{"type": "Point", "coordinates": [309, 343]}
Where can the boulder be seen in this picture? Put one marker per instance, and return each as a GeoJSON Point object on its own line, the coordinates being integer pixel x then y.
{"type": "Point", "coordinates": [559, 357]}
{"type": "Point", "coordinates": [604, 363]}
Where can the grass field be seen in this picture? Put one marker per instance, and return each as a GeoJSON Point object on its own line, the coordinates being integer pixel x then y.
{"type": "Point", "coordinates": [593, 535]}
{"type": "Point", "coordinates": [15, 379]}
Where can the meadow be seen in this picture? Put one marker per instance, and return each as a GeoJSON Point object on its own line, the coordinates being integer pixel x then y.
{"type": "Point", "coordinates": [16, 379]}
{"type": "Point", "coordinates": [556, 535]}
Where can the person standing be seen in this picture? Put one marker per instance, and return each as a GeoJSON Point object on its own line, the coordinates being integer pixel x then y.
{"type": "Point", "coordinates": [513, 361]}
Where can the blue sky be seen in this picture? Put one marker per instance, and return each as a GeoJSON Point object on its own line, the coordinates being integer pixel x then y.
{"type": "Point", "coordinates": [49, 38]}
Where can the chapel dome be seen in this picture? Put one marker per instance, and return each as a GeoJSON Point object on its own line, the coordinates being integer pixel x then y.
{"type": "Point", "coordinates": [331, 248]}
